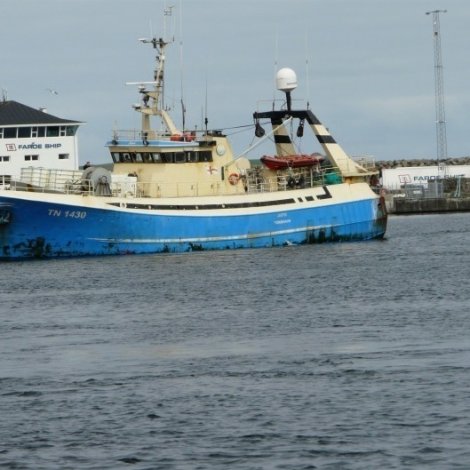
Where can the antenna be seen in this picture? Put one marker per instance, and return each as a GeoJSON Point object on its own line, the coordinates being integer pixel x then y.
{"type": "Point", "coordinates": [307, 69]}
{"type": "Point", "coordinates": [286, 81]}
{"type": "Point", "coordinates": [167, 11]}
{"type": "Point", "coordinates": [441, 136]}
{"type": "Point", "coordinates": [153, 100]}
{"type": "Point", "coordinates": [206, 120]}
{"type": "Point", "coordinates": [276, 58]}
{"type": "Point", "coordinates": [183, 108]}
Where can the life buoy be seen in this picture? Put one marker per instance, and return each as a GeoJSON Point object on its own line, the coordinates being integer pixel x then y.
{"type": "Point", "coordinates": [234, 178]}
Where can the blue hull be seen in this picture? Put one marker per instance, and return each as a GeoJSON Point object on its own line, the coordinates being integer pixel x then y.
{"type": "Point", "coordinates": [40, 229]}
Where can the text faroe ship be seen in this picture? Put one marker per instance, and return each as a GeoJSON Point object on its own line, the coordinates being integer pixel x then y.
{"type": "Point", "coordinates": [175, 190]}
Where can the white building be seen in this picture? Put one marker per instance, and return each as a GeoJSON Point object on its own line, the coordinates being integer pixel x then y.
{"type": "Point", "coordinates": [397, 178]}
{"type": "Point", "coordinates": [34, 138]}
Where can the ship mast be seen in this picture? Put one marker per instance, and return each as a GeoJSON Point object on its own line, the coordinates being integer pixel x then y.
{"type": "Point", "coordinates": [153, 100]}
{"type": "Point", "coordinates": [156, 106]}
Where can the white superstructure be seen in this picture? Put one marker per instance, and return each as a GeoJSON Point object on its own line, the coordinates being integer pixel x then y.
{"type": "Point", "coordinates": [33, 138]}
{"type": "Point", "coordinates": [397, 178]}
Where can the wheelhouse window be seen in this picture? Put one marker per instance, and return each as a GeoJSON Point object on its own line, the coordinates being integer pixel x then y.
{"type": "Point", "coordinates": [180, 157]}
{"type": "Point", "coordinates": [189, 156]}
{"type": "Point", "coordinates": [168, 157]}
{"type": "Point", "coordinates": [205, 156]}
{"type": "Point", "coordinates": [125, 157]}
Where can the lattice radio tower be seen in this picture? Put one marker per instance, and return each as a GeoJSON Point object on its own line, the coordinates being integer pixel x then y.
{"type": "Point", "coordinates": [439, 88]}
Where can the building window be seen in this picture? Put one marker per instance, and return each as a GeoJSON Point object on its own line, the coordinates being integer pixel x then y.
{"type": "Point", "coordinates": [9, 133]}
{"type": "Point", "coordinates": [64, 156]}
{"type": "Point", "coordinates": [29, 158]}
{"type": "Point", "coordinates": [71, 130]}
{"type": "Point", "coordinates": [38, 132]}
{"type": "Point", "coordinates": [5, 158]}
{"type": "Point", "coordinates": [24, 132]}
{"type": "Point", "coordinates": [5, 179]}
{"type": "Point", "coordinates": [52, 131]}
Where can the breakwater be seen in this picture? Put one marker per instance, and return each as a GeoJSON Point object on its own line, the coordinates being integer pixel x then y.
{"type": "Point", "coordinates": [384, 164]}
{"type": "Point", "coordinates": [404, 205]}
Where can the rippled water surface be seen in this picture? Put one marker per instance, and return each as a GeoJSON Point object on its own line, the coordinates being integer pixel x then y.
{"type": "Point", "coordinates": [346, 356]}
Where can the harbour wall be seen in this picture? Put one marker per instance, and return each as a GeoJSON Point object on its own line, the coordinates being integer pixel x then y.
{"type": "Point", "coordinates": [403, 205]}
{"type": "Point", "coordinates": [424, 188]}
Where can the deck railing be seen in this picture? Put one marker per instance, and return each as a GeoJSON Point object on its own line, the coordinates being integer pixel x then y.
{"type": "Point", "coordinates": [254, 180]}
{"type": "Point", "coordinates": [258, 181]}
{"type": "Point", "coordinates": [51, 181]}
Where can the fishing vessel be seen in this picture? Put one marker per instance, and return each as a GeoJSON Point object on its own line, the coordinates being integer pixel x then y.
{"type": "Point", "coordinates": [178, 190]}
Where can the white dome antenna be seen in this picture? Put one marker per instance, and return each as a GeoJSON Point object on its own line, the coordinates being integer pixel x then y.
{"type": "Point", "coordinates": [286, 81]}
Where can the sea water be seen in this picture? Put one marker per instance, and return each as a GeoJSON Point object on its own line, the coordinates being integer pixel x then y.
{"type": "Point", "coordinates": [332, 356]}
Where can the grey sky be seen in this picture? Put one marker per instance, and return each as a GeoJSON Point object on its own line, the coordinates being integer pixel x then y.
{"type": "Point", "coordinates": [366, 66]}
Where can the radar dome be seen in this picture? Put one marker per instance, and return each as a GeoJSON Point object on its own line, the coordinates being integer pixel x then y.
{"type": "Point", "coordinates": [286, 80]}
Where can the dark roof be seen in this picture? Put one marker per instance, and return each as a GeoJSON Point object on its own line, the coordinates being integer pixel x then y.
{"type": "Point", "coordinates": [13, 113]}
